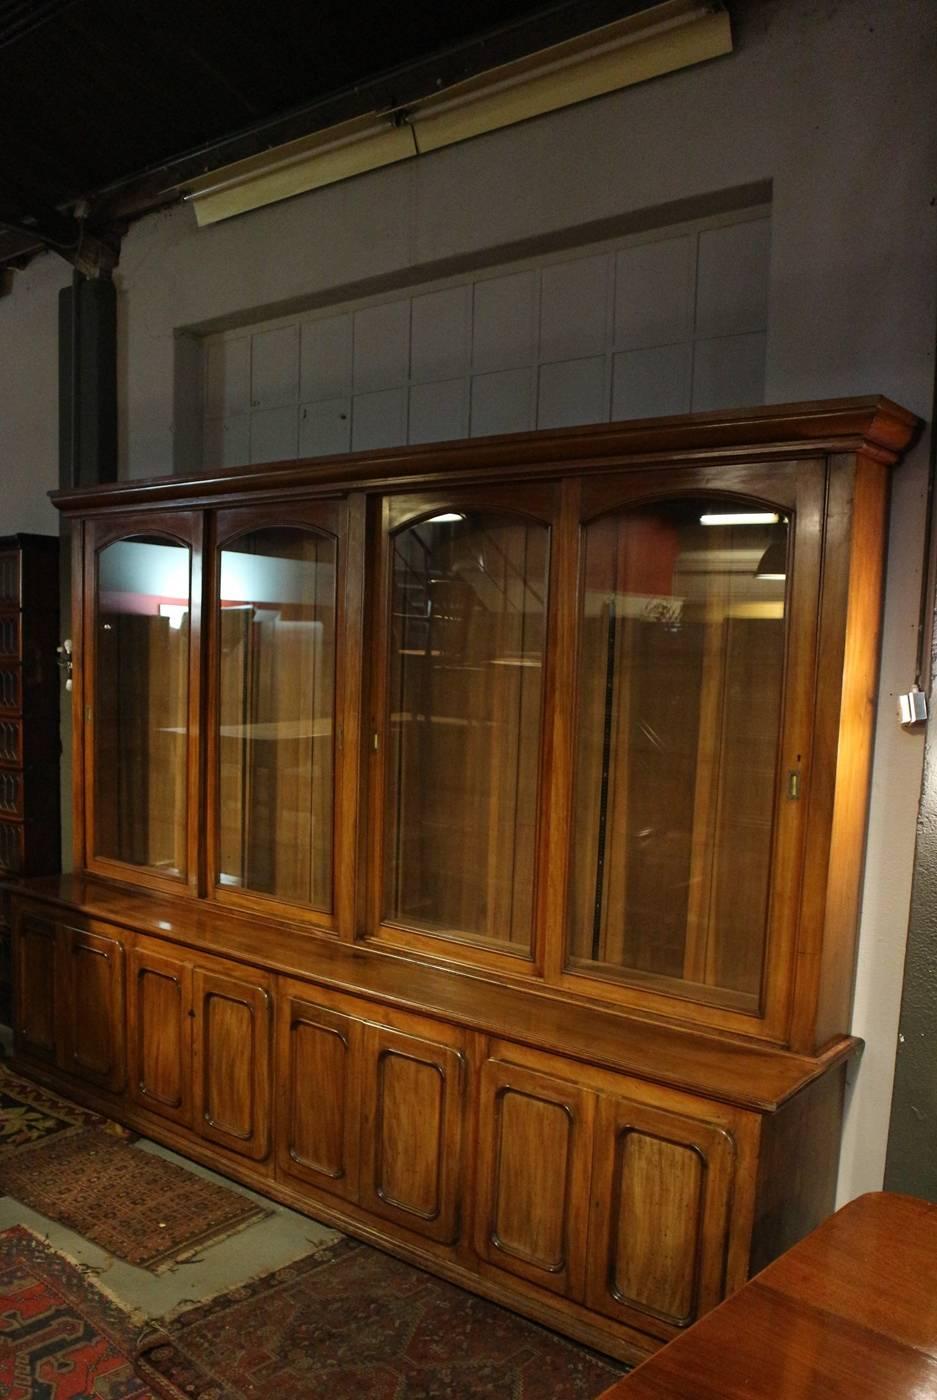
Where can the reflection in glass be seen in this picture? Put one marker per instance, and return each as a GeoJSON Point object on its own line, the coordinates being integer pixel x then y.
{"type": "Point", "coordinates": [142, 696]}
{"type": "Point", "coordinates": [680, 678]}
{"type": "Point", "coordinates": [464, 716]}
{"type": "Point", "coordinates": [276, 713]}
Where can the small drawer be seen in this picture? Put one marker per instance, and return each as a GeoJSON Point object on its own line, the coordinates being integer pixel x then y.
{"type": "Point", "coordinates": [11, 793]}
{"type": "Point", "coordinates": [10, 636]}
{"type": "Point", "coordinates": [11, 847]}
{"type": "Point", "coordinates": [11, 688]}
{"type": "Point", "coordinates": [11, 743]}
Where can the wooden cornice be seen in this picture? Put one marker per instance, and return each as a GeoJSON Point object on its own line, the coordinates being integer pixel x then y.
{"type": "Point", "coordinates": [873, 425]}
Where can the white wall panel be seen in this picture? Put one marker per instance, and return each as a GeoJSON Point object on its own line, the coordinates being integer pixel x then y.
{"type": "Point", "coordinates": [325, 428]}
{"type": "Point", "coordinates": [441, 334]}
{"type": "Point", "coordinates": [654, 293]}
{"type": "Point", "coordinates": [504, 329]}
{"type": "Point", "coordinates": [574, 308]}
{"type": "Point", "coordinates": [275, 367]}
{"type": "Point", "coordinates": [732, 279]}
{"type": "Point", "coordinates": [730, 370]}
{"type": "Point", "coordinates": [274, 434]}
{"type": "Point", "coordinates": [227, 376]}
{"type": "Point", "coordinates": [325, 358]}
{"type": "Point", "coordinates": [502, 402]}
{"type": "Point", "coordinates": [379, 420]}
{"type": "Point", "coordinates": [651, 383]}
{"type": "Point", "coordinates": [438, 411]}
{"type": "Point", "coordinates": [381, 346]}
{"type": "Point", "coordinates": [573, 392]}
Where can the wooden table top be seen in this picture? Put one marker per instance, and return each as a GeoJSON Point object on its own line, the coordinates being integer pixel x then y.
{"type": "Point", "coordinates": [850, 1312]}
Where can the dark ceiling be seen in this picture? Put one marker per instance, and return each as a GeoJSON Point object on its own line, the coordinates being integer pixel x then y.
{"type": "Point", "coordinates": [119, 101]}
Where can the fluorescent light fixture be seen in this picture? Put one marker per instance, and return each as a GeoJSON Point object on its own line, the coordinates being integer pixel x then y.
{"type": "Point", "coordinates": [448, 517]}
{"type": "Point", "coordinates": [740, 517]}
{"type": "Point", "coordinates": [660, 39]}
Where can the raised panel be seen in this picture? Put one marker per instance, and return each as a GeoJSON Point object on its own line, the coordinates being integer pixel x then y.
{"type": "Point", "coordinates": [37, 989]}
{"type": "Point", "coordinates": [94, 1044]}
{"type": "Point", "coordinates": [412, 1132]}
{"type": "Point", "coordinates": [318, 1062]}
{"type": "Point", "coordinates": [534, 1145]}
{"type": "Point", "coordinates": [660, 1204]}
{"type": "Point", "coordinates": [161, 1034]}
{"type": "Point", "coordinates": [232, 1062]}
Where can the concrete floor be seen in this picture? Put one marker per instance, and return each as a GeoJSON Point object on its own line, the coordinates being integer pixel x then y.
{"type": "Point", "coordinates": [263, 1246]}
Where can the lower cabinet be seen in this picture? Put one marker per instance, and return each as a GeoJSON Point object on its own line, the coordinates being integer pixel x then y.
{"type": "Point", "coordinates": [38, 989]}
{"type": "Point", "coordinates": [69, 996]}
{"type": "Point", "coordinates": [594, 1196]}
{"type": "Point", "coordinates": [200, 1031]}
{"type": "Point", "coordinates": [372, 1112]}
{"type": "Point", "coordinates": [610, 1202]}
{"type": "Point", "coordinates": [661, 1189]}
{"type": "Point", "coordinates": [94, 1043]}
{"type": "Point", "coordinates": [535, 1149]}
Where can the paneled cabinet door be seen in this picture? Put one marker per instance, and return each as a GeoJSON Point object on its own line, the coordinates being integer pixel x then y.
{"type": "Point", "coordinates": [535, 1140]}
{"type": "Point", "coordinates": [37, 989]}
{"type": "Point", "coordinates": [232, 1024]}
{"type": "Point", "coordinates": [661, 1189]}
{"type": "Point", "coordinates": [412, 1132]}
{"type": "Point", "coordinates": [94, 1023]}
{"type": "Point", "coordinates": [319, 1058]}
{"type": "Point", "coordinates": [161, 1033]}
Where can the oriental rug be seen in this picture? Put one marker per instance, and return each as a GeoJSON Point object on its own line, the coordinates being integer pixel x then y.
{"type": "Point", "coordinates": [351, 1323]}
{"type": "Point", "coordinates": [30, 1115]}
{"type": "Point", "coordinates": [132, 1203]}
{"type": "Point", "coordinates": [61, 1338]}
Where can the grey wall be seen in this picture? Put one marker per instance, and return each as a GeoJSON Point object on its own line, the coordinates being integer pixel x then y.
{"type": "Point", "coordinates": [828, 103]}
{"type": "Point", "coordinates": [29, 377]}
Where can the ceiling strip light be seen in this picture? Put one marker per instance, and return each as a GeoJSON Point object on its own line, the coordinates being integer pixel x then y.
{"type": "Point", "coordinates": [659, 40]}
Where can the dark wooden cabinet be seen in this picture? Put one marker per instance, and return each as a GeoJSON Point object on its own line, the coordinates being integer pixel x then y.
{"type": "Point", "coordinates": [535, 1155]}
{"type": "Point", "coordinates": [231, 1062]}
{"type": "Point", "coordinates": [411, 1157]}
{"type": "Point", "coordinates": [40, 990]}
{"type": "Point", "coordinates": [29, 721]}
{"type": "Point", "coordinates": [94, 1031]}
{"type": "Point", "coordinates": [161, 1031]}
{"type": "Point", "coordinates": [319, 1093]}
{"type": "Point", "coordinates": [201, 1032]}
{"type": "Point", "coordinates": [659, 1231]}
{"type": "Point", "coordinates": [475, 834]}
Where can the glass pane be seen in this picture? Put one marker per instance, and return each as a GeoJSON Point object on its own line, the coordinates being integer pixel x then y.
{"type": "Point", "coordinates": [680, 677]}
{"type": "Point", "coordinates": [466, 678]}
{"type": "Point", "coordinates": [276, 713]}
{"type": "Point", "coordinates": [142, 697]}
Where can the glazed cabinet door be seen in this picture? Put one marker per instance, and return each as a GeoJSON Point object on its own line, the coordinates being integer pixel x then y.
{"type": "Point", "coordinates": [160, 1006]}
{"type": "Point", "coordinates": [535, 1140]}
{"type": "Point", "coordinates": [231, 1065]}
{"type": "Point", "coordinates": [661, 1190]}
{"type": "Point", "coordinates": [412, 1129]}
{"type": "Point", "coordinates": [37, 989]}
{"type": "Point", "coordinates": [94, 1048]}
{"type": "Point", "coordinates": [318, 1058]}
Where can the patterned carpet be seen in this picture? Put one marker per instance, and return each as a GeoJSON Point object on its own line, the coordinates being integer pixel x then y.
{"type": "Point", "coordinates": [30, 1115]}
{"type": "Point", "coordinates": [60, 1337]}
{"type": "Point", "coordinates": [132, 1203]}
{"type": "Point", "coordinates": [350, 1323]}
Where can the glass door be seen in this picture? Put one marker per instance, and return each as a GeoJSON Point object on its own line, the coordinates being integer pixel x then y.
{"type": "Point", "coordinates": [458, 722]}
{"type": "Point", "coordinates": [276, 711]}
{"type": "Point", "coordinates": [688, 772]}
{"type": "Point", "coordinates": [141, 696]}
